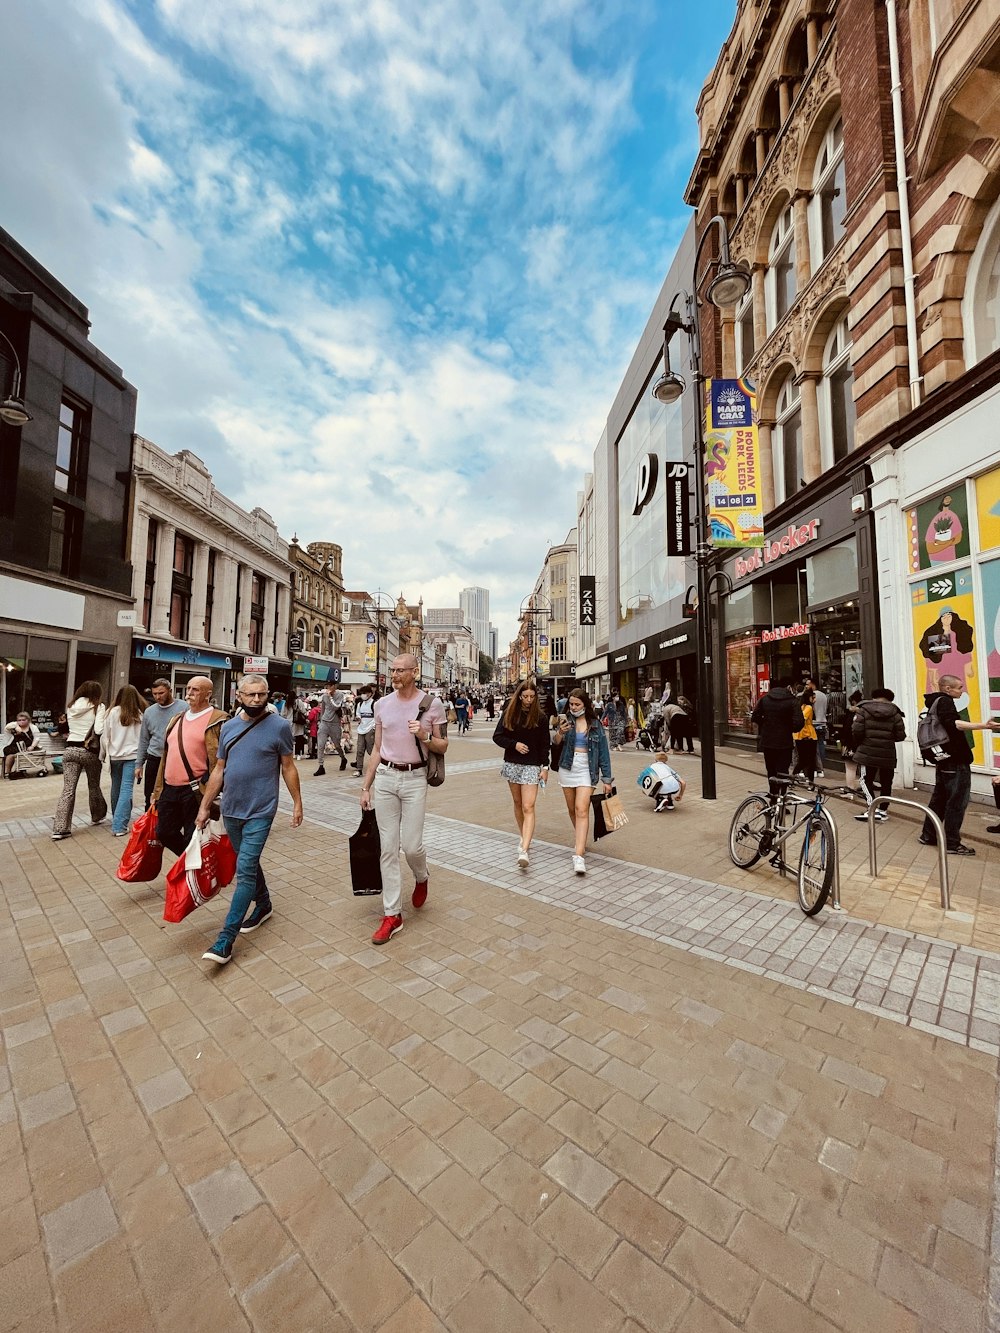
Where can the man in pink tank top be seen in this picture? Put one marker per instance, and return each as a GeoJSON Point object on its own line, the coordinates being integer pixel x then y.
{"type": "Point", "coordinates": [189, 753]}
{"type": "Point", "coordinates": [398, 776]}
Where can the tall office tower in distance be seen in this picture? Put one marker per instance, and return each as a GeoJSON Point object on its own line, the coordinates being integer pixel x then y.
{"type": "Point", "coordinates": [475, 604]}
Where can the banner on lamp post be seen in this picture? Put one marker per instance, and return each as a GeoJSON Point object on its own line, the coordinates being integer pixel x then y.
{"type": "Point", "coordinates": [371, 651]}
{"type": "Point", "coordinates": [678, 509]}
{"type": "Point", "coordinates": [543, 654]}
{"type": "Point", "coordinates": [588, 599]}
{"type": "Point", "coordinates": [732, 473]}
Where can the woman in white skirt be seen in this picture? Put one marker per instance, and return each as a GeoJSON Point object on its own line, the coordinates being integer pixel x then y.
{"type": "Point", "coordinates": [585, 757]}
{"type": "Point", "coordinates": [523, 732]}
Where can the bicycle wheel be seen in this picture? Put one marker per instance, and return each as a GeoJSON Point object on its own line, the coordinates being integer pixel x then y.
{"type": "Point", "coordinates": [750, 823]}
{"type": "Point", "coordinates": [816, 864]}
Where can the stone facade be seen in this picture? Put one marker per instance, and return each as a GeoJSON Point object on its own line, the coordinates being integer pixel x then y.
{"type": "Point", "coordinates": [318, 605]}
{"type": "Point", "coordinates": [212, 583]}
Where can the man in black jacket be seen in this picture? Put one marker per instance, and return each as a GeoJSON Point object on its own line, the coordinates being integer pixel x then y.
{"type": "Point", "coordinates": [952, 773]}
{"type": "Point", "coordinates": [878, 725]}
{"type": "Point", "coordinates": [777, 715]}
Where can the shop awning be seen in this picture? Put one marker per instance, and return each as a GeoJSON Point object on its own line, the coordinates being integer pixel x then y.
{"type": "Point", "coordinates": [316, 669]}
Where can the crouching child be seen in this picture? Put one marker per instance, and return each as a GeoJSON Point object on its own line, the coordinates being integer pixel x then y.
{"type": "Point", "coordinates": [662, 784]}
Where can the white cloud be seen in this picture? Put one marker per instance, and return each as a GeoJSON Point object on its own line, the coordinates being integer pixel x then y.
{"type": "Point", "coordinates": [377, 275]}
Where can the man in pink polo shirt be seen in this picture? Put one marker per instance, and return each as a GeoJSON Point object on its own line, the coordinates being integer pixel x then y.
{"type": "Point", "coordinates": [399, 779]}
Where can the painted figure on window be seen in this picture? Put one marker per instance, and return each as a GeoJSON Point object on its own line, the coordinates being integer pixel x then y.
{"type": "Point", "coordinates": [944, 532]}
{"type": "Point", "coordinates": [946, 648]}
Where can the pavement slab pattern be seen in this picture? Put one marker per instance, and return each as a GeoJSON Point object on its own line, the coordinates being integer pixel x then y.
{"type": "Point", "coordinates": [529, 1112]}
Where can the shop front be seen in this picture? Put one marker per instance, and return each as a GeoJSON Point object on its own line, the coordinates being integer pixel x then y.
{"type": "Point", "coordinates": [593, 676]}
{"type": "Point", "coordinates": [797, 609]}
{"type": "Point", "coordinates": [667, 658]}
{"type": "Point", "coordinates": [178, 662]}
{"type": "Point", "coordinates": [937, 501]}
{"type": "Point", "coordinates": [312, 673]}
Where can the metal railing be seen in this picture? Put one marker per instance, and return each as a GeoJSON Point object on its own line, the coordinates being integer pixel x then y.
{"type": "Point", "coordinates": [938, 832]}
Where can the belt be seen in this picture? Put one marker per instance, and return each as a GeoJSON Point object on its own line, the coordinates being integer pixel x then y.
{"type": "Point", "coordinates": [402, 768]}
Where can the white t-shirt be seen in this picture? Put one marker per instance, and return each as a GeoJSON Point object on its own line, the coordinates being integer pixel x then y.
{"type": "Point", "coordinates": [365, 715]}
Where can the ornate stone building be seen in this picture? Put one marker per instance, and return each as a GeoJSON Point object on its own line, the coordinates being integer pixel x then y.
{"type": "Point", "coordinates": [853, 149]}
{"type": "Point", "coordinates": [317, 609]}
{"type": "Point", "coordinates": [210, 581]}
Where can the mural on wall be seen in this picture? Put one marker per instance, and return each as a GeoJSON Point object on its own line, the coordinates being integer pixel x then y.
{"type": "Point", "coordinates": [939, 529]}
{"type": "Point", "coordinates": [944, 639]}
{"type": "Point", "coordinates": [988, 509]}
{"type": "Point", "coordinates": [990, 644]}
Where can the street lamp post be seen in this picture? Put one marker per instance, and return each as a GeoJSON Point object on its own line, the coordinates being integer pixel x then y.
{"type": "Point", "coordinates": [728, 287]}
{"type": "Point", "coordinates": [375, 603]}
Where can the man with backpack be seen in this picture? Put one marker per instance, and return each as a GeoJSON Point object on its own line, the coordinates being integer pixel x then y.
{"type": "Point", "coordinates": [878, 725]}
{"type": "Point", "coordinates": [942, 743]}
{"type": "Point", "coordinates": [777, 715]}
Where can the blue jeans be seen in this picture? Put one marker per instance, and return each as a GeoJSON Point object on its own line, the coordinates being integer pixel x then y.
{"type": "Point", "coordinates": [949, 801]}
{"type": "Point", "coordinates": [122, 784]}
{"type": "Point", "coordinates": [248, 836]}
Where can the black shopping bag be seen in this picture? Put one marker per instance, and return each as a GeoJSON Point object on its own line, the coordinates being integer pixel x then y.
{"type": "Point", "coordinates": [366, 848]}
{"type": "Point", "coordinates": [601, 829]}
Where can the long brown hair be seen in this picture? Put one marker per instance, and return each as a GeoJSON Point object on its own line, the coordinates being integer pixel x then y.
{"type": "Point", "coordinates": [132, 705]}
{"type": "Point", "coordinates": [89, 690]}
{"type": "Point", "coordinates": [514, 712]}
{"type": "Point", "coordinates": [588, 705]}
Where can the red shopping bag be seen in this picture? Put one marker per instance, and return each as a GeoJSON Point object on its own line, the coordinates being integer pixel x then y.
{"type": "Point", "coordinates": [143, 856]}
{"type": "Point", "coordinates": [208, 865]}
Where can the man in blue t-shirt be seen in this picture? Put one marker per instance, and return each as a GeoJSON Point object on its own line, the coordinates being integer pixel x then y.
{"type": "Point", "coordinates": [254, 747]}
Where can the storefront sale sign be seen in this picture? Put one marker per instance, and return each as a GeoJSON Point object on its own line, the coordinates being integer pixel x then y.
{"type": "Point", "coordinates": [732, 473]}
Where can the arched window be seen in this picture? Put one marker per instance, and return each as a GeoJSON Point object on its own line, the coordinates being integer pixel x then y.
{"type": "Point", "coordinates": [786, 441]}
{"type": "Point", "coordinates": [744, 332]}
{"type": "Point", "coordinates": [317, 639]}
{"type": "Point", "coordinates": [302, 630]}
{"type": "Point", "coordinates": [780, 285]}
{"type": "Point", "coordinates": [981, 306]}
{"type": "Point", "coordinates": [305, 589]}
{"type": "Point", "coordinates": [829, 202]}
{"type": "Point", "coordinates": [837, 396]}
{"type": "Point", "coordinates": [331, 644]}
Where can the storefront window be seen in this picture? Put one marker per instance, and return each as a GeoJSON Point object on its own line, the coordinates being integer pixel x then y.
{"type": "Point", "coordinates": [13, 659]}
{"type": "Point", "coordinates": [646, 577]}
{"type": "Point", "coordinates": [953, 538]}
{"type": "Point", "coordinates": [45, 686]}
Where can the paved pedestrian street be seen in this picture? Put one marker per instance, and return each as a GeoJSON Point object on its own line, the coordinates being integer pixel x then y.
{"type": "Point", "coordinates": [654, 1098]}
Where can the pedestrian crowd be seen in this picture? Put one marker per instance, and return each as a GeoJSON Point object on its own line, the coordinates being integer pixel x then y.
{"type": "Point", "coordinates": [796, 726]}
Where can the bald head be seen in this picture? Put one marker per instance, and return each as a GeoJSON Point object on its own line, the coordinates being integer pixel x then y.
{"type": "Point", "coordinates": [199, 693]}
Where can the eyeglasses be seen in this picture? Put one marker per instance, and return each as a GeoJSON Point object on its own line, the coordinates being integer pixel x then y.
{"type": "Point", "coordinates": [247, 694]}
{"type": "Point", "coordinates": [398, 671]}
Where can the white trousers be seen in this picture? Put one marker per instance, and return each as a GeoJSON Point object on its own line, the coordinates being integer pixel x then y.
{"type": "Point", "coordinates": [400, 802]}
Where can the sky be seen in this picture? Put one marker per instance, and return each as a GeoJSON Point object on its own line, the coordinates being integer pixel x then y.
{"type": "Point", "coordinates": [381, 264]}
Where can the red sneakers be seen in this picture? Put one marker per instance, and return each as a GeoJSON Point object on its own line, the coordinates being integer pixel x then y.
{"type": "Point", "coordinates": [420, 894]}
{"type": "Point", "coordinates": [389, 927]}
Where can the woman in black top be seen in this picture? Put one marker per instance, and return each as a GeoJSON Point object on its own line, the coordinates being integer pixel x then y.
{"type": "Point", "coordinates": [523, 732]}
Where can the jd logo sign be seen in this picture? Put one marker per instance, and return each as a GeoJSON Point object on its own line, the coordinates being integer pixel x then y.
{"type": "Point", "coordinates": [645, 481]}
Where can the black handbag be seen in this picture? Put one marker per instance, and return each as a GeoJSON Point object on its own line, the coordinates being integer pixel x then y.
{"type": "Point", "coordinates": [365, 852]}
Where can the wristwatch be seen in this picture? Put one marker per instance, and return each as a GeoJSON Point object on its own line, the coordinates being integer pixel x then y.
{"type": "Point", "coordinates": [430, 737]}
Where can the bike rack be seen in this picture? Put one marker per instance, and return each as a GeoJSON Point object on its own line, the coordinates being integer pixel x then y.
{"type": "Point", "coordinates": [938, 832]}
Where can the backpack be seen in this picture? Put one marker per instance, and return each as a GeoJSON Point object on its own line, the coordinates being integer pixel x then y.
{"type": "Point", "coordinates": [932, 735]}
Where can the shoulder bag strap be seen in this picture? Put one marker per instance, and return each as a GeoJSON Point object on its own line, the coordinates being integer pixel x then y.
{"type": "Point", "coordinates": [425, 703]}
{"type": "Point", "coordinates": [232, 744]}
{"type": "Point", "coordinates": [180, 745]}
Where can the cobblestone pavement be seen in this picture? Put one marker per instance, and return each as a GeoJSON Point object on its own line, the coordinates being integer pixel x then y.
{"type": "Point", "coordinates": [616, 1103]}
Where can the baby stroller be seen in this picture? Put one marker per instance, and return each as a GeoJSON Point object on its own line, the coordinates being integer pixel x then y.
{"type": "Point", "coordinates": [643, 740]}
{"type": "Point", "coordinates": [29, 764]}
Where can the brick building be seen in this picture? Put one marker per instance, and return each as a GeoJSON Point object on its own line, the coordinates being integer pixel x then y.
{"type": "Point", "coordinates": [853, 151]}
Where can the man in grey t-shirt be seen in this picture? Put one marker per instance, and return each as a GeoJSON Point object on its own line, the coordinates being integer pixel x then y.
{"type": "Point", "coordinates": [152, 731]}
{"type": "Point", "coordinates": [255, 747]}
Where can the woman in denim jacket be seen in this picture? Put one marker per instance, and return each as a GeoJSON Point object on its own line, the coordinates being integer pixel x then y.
{"type": "Point", "coordinates": [585, 758]}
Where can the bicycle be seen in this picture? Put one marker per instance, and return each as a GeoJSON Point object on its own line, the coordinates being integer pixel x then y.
{"type": "Point", "coordinates": [763, 824]}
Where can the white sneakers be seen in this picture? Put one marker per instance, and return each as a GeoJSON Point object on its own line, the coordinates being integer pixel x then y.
{"type": "Point", "coordinates": [522, 857]}
{"type": "Point", "coordinates": [579, 865]}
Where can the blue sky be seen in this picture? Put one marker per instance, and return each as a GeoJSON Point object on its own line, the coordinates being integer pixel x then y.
{"type": "Point", "coordinates": [382, 265]}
